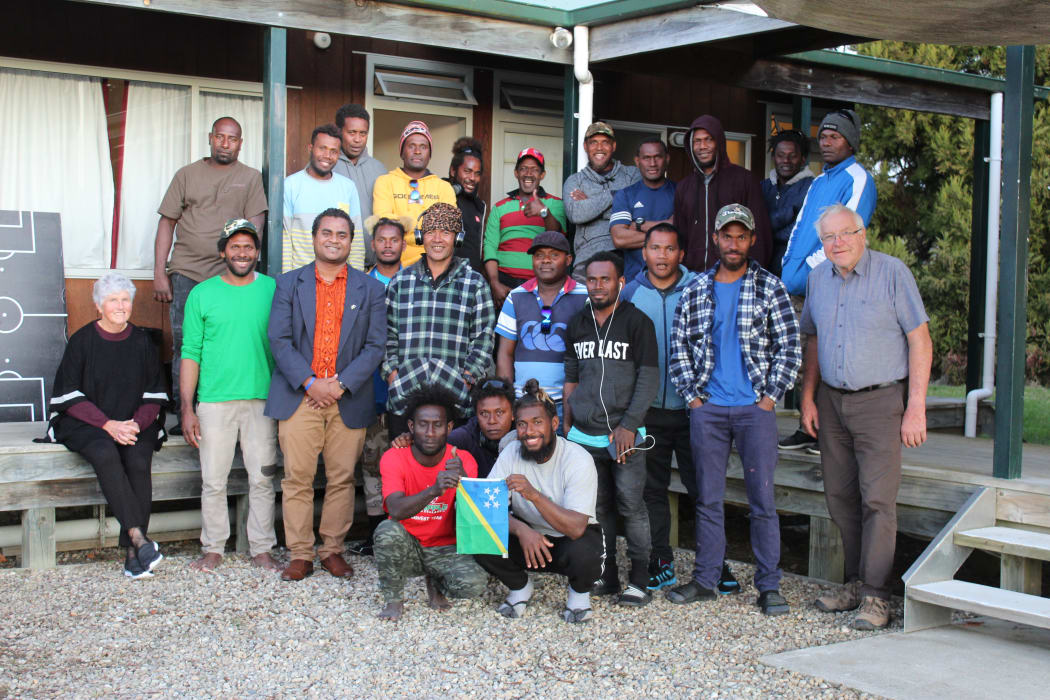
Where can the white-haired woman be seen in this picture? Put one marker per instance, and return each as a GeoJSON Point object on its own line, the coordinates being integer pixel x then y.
{"type": "Point", "coordinates": [106, 406]}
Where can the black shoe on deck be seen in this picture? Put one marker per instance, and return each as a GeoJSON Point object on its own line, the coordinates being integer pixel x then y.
{"type": "Point", "coordinates": [797, 440]}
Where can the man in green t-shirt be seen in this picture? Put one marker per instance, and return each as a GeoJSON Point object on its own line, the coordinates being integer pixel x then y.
{"type": "Point", "coordinates": [226, 362]}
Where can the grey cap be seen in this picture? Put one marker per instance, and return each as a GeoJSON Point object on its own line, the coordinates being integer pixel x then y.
{"type": "Point", "coordinates": [734, 212]}
{"type": "Point", "coordinates": [550, 239]}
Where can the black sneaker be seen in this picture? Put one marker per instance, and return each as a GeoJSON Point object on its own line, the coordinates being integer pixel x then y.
{"type": "Point", "coordinates": [134, 570]}
{"type": "Point", "coordinates": [606, 586]}
{"type": "Point", "coordinates": [149, 555]}
{"type": "Point", "coordinates": [362, 548]}
{"type": "Point", "coordinates": [772, 603]}
{"type": "Point", "coordinates": [797, 441]}
{"type": "Point", "coordinates": [727, 583]}
{"type": "Point", "coordinates": [691, 592]}
{"type": "Point", "coordinates": [634, 597]}
{"type": "Point", "coordinates": [813, 449]}
{"type": "Point", "coordinates": [661, 575]}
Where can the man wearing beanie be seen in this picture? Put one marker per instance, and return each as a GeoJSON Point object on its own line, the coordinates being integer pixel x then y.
{"type": "Point", "coordinates": [439, 320]}
{"type": "Point", "coordinates": [843, 181]}
{"type": "Point", "coordinates": [412, 188]}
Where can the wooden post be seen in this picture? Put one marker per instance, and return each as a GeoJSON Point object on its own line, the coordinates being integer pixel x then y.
{"type": "Point", "coordinates": [826, 555]}
{"type": "Point", "coordinates": [242, 523]}
{"type": "Point", "coordinates": [1021, 574]}
{"type": "Point", "coordinates": [38, 538]}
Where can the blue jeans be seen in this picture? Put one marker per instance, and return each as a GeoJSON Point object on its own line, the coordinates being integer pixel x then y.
{"type": "Point", "coordinates": [754, 430]}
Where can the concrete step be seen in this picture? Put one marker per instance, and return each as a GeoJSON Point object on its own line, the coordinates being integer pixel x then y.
{"type": "Point", "coordinates": [985, 600]}
{"type": "Point", "coordinates": [1007, 540]}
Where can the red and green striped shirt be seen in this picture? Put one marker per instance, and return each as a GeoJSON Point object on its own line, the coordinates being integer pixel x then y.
{"type": "Point", "coordinates": [509, 233]}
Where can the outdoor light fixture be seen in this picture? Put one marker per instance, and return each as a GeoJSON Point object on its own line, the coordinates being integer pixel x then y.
{"type": "Point", "coordinates": [561, 38]}
{"type": "Point", "coordinates": [322, 40]}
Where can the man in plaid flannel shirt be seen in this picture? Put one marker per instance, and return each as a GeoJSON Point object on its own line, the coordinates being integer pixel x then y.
{"type": "Point", "coordinates": [734, 352]}
{"type": "Point", "coordinates": [439, 320]}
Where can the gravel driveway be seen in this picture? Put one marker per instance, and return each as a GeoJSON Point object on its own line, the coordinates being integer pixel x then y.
{"type": "Point", "coordinates": [85, 631]}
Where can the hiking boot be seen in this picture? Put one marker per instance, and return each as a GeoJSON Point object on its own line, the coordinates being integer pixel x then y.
{"type": "Point", "coordinates": [797, 441]}
{"type": "Point", "coordinates": [727, 583]}
{"type": "Point", "coordinates": [874, 614]}
{"type": "Point", "coordinates": [844, 597]}
{"type": "Point", "coordinates": [661, 575]}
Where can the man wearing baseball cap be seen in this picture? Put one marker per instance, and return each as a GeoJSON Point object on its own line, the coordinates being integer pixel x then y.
{"type": "Point", "coordinates": [589, 200]}
{"type": "Point", "coordinates": [412, 188]}
{"type": "Point", "coordinates": [843, 181]}
{"type": "Point", "coordinates": [734, 353]}
{"type": "Point", "coordinates": [226, 365]}
{"type": "Point", "coordinates": [515, 221]}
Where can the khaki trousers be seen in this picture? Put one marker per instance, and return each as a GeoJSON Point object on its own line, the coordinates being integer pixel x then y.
{"type": "Point", "coordinates": [222, 424]}
{"type": "Point", "coordinates": [307, 434]}
{"type": "Point", "coordinates": [860, 455]}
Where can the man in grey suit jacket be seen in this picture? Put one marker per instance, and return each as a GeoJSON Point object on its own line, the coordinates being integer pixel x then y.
{"type": "Point", "coordinates": [327, 333]}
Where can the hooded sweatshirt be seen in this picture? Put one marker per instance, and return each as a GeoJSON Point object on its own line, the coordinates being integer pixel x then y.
{"type": "Point", "coordinates": [392, 197]}
{"type": "Point", "coordinates": [591, 215]}
{"type": "Point", "coordinates": [784, 202]}
{"type": "Point", "coordinates": [616, 367]}
{"type": "Point", "coordinates": [699, 197]}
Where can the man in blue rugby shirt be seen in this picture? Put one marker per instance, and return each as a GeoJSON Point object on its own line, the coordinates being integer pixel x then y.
{"type": "Point", "coordinates": [645, 204]}
{"type": "Point", "coordinates": [734, 352]}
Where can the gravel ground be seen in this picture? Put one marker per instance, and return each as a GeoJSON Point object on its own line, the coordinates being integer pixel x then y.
{"type": "Point", "coordinates": [83, 630]}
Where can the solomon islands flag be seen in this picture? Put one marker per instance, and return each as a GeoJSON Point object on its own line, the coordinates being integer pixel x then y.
{"type": "Point", "coordinates": [482, 512]}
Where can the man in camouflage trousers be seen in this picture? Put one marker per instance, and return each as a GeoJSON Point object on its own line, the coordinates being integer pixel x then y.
{"type": "Point", "coordinates": [419, 492]}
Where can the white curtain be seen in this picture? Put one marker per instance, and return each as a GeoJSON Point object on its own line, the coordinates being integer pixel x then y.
{"type": "Point", "coordinates": [247, 110]}
{"type": "Point", "coordinates": [156, 144]}
{"type": "Point", "coordinates": [54, 157]}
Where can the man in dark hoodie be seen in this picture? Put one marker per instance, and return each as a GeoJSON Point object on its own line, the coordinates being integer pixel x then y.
{"type": "Point", "coordinates": [715, 183]}
{"type": "Point", "coordinates": [464, 174]}
{"type": "Point", "coordinates": [612, 376]}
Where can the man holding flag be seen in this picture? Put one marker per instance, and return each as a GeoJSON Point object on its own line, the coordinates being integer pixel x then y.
{"type": "Point", "coordinates": [419, 491]}
{"type": "Point", "coordinates": [554, 487]}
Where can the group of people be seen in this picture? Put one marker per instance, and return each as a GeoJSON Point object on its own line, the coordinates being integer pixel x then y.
{"type": "Point", "coordinates": [415, 337]}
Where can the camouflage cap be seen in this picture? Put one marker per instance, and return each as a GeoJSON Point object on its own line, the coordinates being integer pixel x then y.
{"type": "Point", "coordinates": [734, 212]}
{"type": "Point", "coordinates": [598, 128]}
{"type": "Point", "coordinates": [237, 226]}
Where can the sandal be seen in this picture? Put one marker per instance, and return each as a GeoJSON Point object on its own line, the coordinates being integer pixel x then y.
{"type": "Point", "coordinates": [513, 610]}
{"type": "Point", "coordinates": [576, 616]}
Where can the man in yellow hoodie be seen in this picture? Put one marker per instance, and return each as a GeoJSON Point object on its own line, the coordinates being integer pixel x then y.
{"type": "Point", "coordinates": [411, 189]}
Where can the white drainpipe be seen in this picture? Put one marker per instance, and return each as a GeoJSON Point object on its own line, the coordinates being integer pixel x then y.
{"type": "Point", "coordinates": [995, 170]}
{"type": "Point", "coordinates": [581, 54]}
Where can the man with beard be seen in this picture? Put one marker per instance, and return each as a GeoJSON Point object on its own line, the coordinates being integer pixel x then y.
{"type": "Point", "coordinates": [464, 174]}
{"type": "Point", "coordinates": [419, 492]}
{"type": "Point", "coordinates": [354, 122]}
{"type": "Point", "coordinates": [785, 189]}
{"type": "Point", "coordinates": [589, 202]}
{"type": "Point", "coordinates": [643, 205]}
{"type": "Point", "coordinates": [715, 183]}
{"type": "Point", "coordinates": [553, 489]}
{"type": "Point", "coordinates": [327, 328]}
{"type": "Point", "coordinates": [734, 353]}
{"type": "Point", "coordinates": [312, 190]}
{"type": "Point", "coordinates": [533, 322]}
{"type": "Point", "coordinates": [411, 189]}
{"type": "Point", "coordinates": [612, 374]}
{"type": "Point", "coordinates": [226, 363]}
{"type": "Point", "coordinates": [201, 198]}
{"type": "Point", "coordinates": [515, 222]}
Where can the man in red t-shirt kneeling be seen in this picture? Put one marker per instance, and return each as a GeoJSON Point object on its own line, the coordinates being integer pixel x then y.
{"type": "Point", "coordinates": [419, 493]}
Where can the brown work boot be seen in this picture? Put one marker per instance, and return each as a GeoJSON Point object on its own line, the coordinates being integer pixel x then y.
{"type": "Point", "coordinates": [874, 614]}
{"type": "Point", "coordinates": [845, 597]}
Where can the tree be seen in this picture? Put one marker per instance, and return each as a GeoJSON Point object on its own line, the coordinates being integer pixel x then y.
{"type": "Point", "coordinates": [923, 168]}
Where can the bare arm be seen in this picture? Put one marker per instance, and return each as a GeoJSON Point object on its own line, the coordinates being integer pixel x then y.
{"type": "Point", "coordinates": [920, 357]}
{"type": "Point", "coordinates": [189, 373]}
{"type": "Point", "coordinates": [499, 290]}
{"type": "Point", "coordinates": [627, 236]}
{"type": "Point", "coordinates": [568, 522]}
{"type": "Point", "coordinates": [505, 358]}
{"type": "Point", "coordinates": [259, 221]}
{"type": "Point", "coordinates": [161, 248]}
{"type": "Point", "coordinates": [566, 392]}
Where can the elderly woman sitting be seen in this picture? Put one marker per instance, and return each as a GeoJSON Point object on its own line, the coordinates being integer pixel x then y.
{"type": "Point", "coordinates": [107, 400]}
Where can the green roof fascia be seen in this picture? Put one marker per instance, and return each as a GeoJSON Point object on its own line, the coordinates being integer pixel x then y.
{"type": "Point", "coordinates": [901, 69]}
{"type": "Point", "coordinates": [599, 13]}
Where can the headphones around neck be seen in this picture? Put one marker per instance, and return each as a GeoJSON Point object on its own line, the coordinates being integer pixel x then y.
{"type": "Point", "coordinates": [418, 233]}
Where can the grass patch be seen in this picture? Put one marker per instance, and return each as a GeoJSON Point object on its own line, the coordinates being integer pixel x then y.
{"type": "Point", "coordinates": [1036, 428]}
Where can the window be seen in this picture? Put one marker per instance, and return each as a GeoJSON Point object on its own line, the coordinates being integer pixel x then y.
{"type": "Point", "coordinates": [629, 135]}
{"type": "Point", "coordinates": [425, 81]}
{"type": "Point", "coordinates": [100, 147]}
{"type": "Point", "coordinates": [778, 117]}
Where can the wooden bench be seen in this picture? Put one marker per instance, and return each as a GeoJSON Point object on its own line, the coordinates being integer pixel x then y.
{"type": "Point", "coordinates": [38, 478]}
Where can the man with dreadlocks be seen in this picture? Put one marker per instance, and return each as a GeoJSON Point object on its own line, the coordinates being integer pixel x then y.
{"type": "Point", "coordinates": [553, 489]}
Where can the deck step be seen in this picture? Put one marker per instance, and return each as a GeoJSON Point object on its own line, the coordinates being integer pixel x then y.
{"type": "Point", "coordinates": [1008, 540]}
{"type": "Point", "coordinates": [985, 600]}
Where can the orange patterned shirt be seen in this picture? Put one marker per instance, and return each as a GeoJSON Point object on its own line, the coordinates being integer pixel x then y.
{"type": "Point", "coordinates": [330, 299]}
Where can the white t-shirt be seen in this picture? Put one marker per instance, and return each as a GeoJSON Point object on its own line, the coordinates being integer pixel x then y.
{"type": "Point", "coordinates": [568, 478]}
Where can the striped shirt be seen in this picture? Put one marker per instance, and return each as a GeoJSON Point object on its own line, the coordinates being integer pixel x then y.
{"type": "Point", "coordinates": [304, 198]}
{"type": "Point", "coordinates": [509, 233]}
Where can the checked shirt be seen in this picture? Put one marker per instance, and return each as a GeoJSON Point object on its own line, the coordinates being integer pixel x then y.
{"type": "Point", "coordinates": [767, 328]}
{"type": "Point", "coordinates": [436, 330]}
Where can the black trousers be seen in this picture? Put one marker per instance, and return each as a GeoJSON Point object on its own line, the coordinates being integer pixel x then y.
{"type": "Point", "coordinates": [670, 429]}
{"type": "Point", "coordinates": [581, 560]}
{"type": "Point", "coordinates": [126, 480]}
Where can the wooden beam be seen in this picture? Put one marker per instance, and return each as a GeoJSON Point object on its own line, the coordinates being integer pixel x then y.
{"type": "Point", "coordinates": [38, 538]}
{"type": "Point", "coordinates": [827, 557]}
{"type": "Point", "coordinates": [696, 25]}
{"type": "Point", "coordinates": [836, 84]}
{"type": "Point", "coordinates": [375, 20]}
